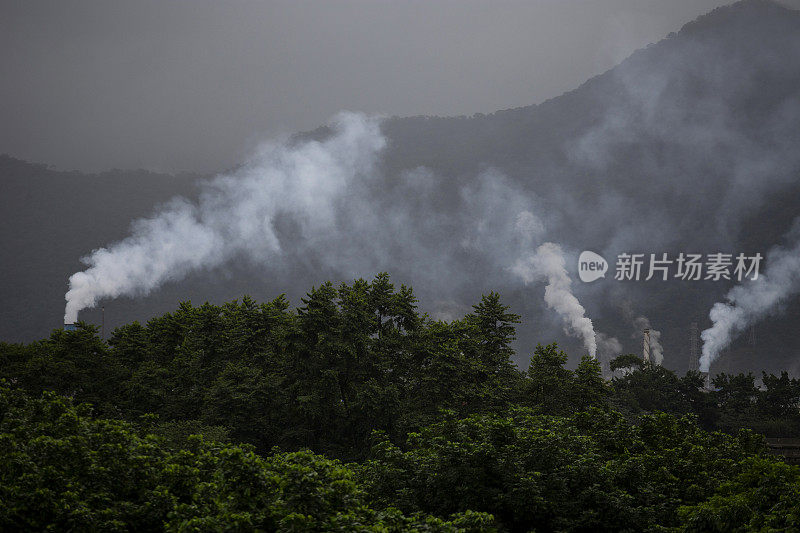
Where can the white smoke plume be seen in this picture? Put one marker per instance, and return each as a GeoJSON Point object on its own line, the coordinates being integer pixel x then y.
{"type": "Point", "coordinates": [548, 264]}
{"type": "Point", "coordinates": [235, 215]}
{"type": "Point", "coordinates": [656, 349]}
{"type": "Point", "coordinates": [327, 189]}
{"type": "Point", "coordinates": [753, 300]}
{"type": "Point", "coordinates": [324, 193]}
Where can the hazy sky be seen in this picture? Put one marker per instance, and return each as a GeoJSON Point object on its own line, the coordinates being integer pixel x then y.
{"type": "Point", "coordinates": [194, 84]}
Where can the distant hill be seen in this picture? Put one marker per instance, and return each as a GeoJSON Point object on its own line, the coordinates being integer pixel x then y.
{"type": "Point", "coordinates": [690, 144]}
{"type": "Point", "coordinates": [50, 219]}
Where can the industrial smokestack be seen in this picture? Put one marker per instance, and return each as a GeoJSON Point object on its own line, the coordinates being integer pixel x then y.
{"type": "Point", "coordinates": [652, 351]}
{"type": "Point", "coordinates": [70, 327]}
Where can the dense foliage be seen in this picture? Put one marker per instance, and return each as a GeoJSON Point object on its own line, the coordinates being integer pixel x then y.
{"type": "Point", "coordinates": [237, 416]}
{"type": "Point", "coordinates": [64, 471]}
{"type": "Point", "coordinates": [588, 472]}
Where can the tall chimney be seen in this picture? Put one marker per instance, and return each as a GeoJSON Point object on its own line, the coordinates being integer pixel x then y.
{"type": "Point", "coordinates": [646, 346]}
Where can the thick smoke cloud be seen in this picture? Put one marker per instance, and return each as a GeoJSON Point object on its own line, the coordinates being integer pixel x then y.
{"type": "Point", "coordinates": [691, 137]}
{"type": "Point", "coordinates": [237, 214]}
{"type": "Point", "coordinates": [753, 300]}
{"type": "Point", "coordinates": [548, 264]}
{"type": "Point", "coordinates": [324, 202]}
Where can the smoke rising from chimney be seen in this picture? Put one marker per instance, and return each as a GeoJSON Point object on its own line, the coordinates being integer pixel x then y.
{"type": "Point", "coordinates": [547, 264]}
{"type": "Point", "coordinates": [236, 214]}
{"type": "Point", "coordinates": [753, 300]}
{"type": "Point", "coordinates": [316, 200]}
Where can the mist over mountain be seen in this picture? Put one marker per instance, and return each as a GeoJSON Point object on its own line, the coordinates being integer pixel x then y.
{"type": "Point", "coordinates": [689, 145]}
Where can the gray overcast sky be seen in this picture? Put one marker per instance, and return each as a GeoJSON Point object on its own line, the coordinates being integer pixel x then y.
{"type": "Point", "coordinates": [194, 84]}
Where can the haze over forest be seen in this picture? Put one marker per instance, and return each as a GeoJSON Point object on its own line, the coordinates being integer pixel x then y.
{"type": "Point", "coordinates": [687, 145]}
